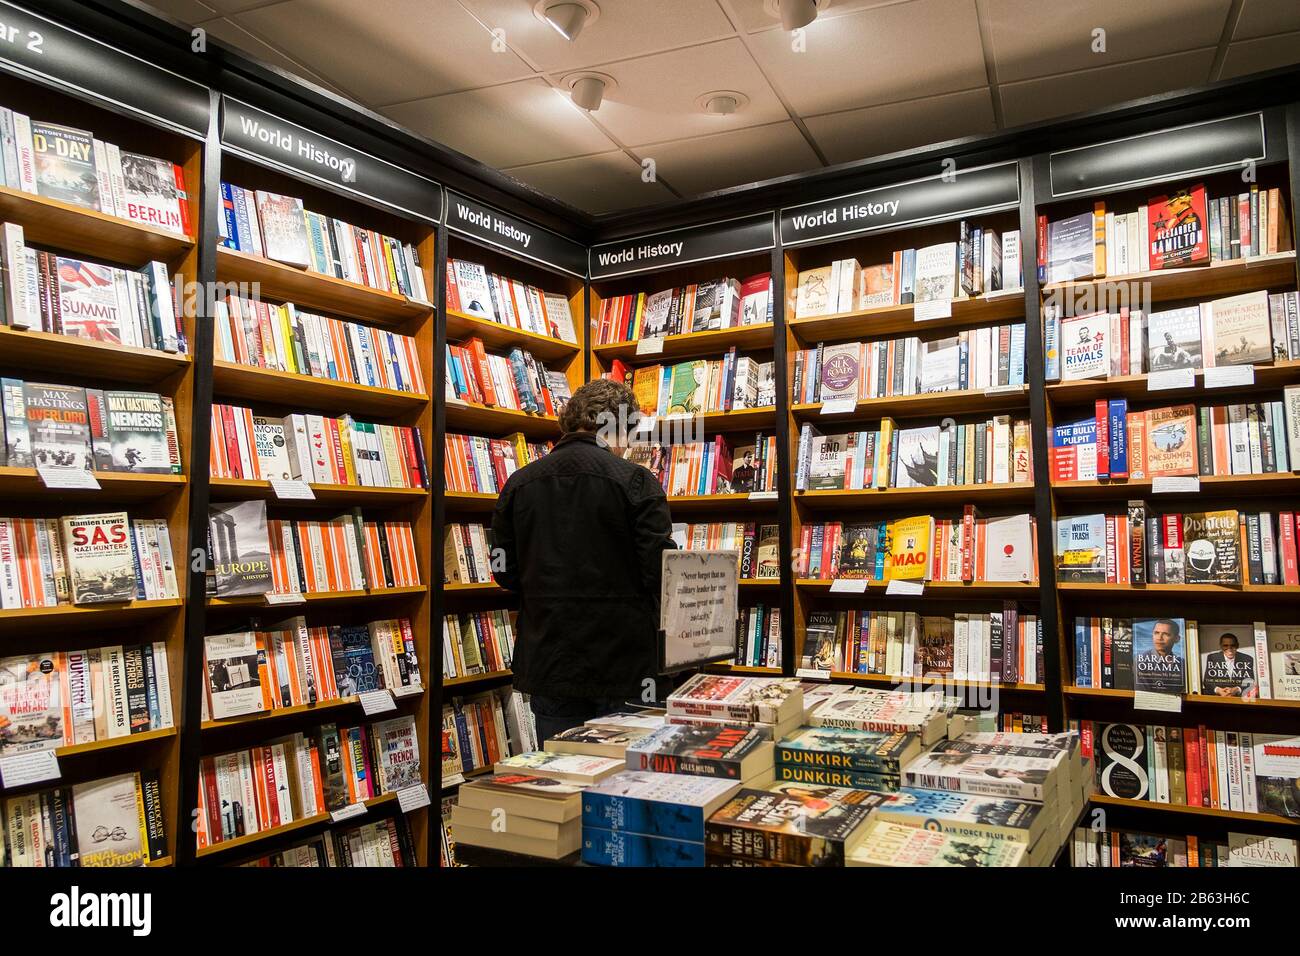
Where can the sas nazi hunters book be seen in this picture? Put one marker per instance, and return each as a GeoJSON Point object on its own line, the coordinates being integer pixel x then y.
{"type": "Point", "coordinates": [836, 748]}
{"type": "Point", "coordinates": [784, 828]}
{"type": "Point", "coordinates": [101, 561]}
{"type": "Point", "coordinates": [730, 753]}
{"type": "Point", "coordinates": [670, 805]}
{"type": "Point", "coordinates": [1159, 657]}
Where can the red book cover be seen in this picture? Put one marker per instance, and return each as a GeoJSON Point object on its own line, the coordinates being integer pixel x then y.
{"type": "Point", "coordinates": [232, 442]}
{"type": "Point", "coordinates": [1103, 438]}
{"type": "Point", "coordinates": [1192, 764]}
{"type": "Point", "coordinates": [1177, 225]}
{"type": "Point", "coordinates": [1287, 548]}
{"type": "Point", "coordinates": [483, 371]}
{"type": "Point", "coordinates": [183, 199]}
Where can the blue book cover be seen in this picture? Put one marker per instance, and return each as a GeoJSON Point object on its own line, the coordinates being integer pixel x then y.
{"type": "Point", "coordinates": [231, 238]}
{"type": "Point", "coordinates": [668, 805]}
{"type": "Point", "coordinates": [1051, 342]}
{"type": "Point", "coordinates": [618, 848]}
{"type": "Point", "coordinates": [1017, 354]}
{"type": "Point", "coordinates": [1118, 435]}
{"type": "Point", "coordinates": [354, 660]}
{"type": "Point", "coordinates": [1082, 652]}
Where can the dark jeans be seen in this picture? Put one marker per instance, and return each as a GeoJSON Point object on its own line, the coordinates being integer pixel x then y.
{"type": "Point", "coordinates": [555, 715]}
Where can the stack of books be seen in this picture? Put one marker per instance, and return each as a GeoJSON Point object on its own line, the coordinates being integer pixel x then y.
{"type": "Point", "coordinates": [928, 714]}
{"type": "Point", "coordinates": [788, 826]}
{"type": "Point", "coordinates": [1015, 827]}
{"type": "Point", "coordinates": [854, 759]}
{"type": "Point", "coordinates": [643, 818]}
{"type": "Point", "coordinates": [773, 706]}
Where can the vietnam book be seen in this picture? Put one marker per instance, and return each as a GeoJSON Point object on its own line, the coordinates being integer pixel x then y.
{"type": "Point", "coordinates": [1159, 655]}
{"type": "Point", "coordinates": [137, 432]}
{"type": "Point", "coordinates": [836, 748]}
{"type": "Point", "coordinates": [1226, 669]}
{"type": "Point", "coordinates": [58, 426]}
{"type": "Point", "coordinates": [1284, 660]}
{"type": "Point", "coordinates": [594, 741]}
{"type": "Point", "coordinates": [730, 753]}
{"type": "Point", "coordinates": [963, 814]}
{"type": "Point", "coordinates": [565, 768]}
{"type": "Point", "coordinates": [1174, 339]}
{"type": "Point", "coordinates": [32, 709]}
{"type": "Point", "coordinates": [783, 828]}
{"type": "Point", "coordinates": [101, 561]}
{"type": "Point", "coordinates": [110, 823]}
{"type": "Point", "coordinates": [65, 164]}
{"type": "Point", "coordinates": [670, 805]}
{"type": "Point", "coordinates": [1240, 329]}
{"type": "Point", "coordinates": [1171, 441]}
{"type": "Point", "coordinates": [1177, 226]}
{"type": "Point", "coordinates": [936, 272]}
{"type": "Point", "coordinates": [1122, 761]}
{"type": "Point", "coordinates": [1085, 347]}
{"type": "Point", "coordinates": [284, 229]}
{"type": "Point", "coordinates": [1212, 547]}
{"type": "Point", "coordinates": [892, 844]}
{"type": "Point", "coordinates": [908, 555]}
{"type": "Point", "coordinates": [152, 193]}
{"type": "Point", "coordinates": [1009, 548]}
{"type": "Point", "coordinates": [234, 669]}
{"type": "Point", "coordinates": [240, 548]}
{"type": "Point", "coordinates": [840, 372]}
{"type": "Point", "coordinates": [918, 457]}
{"type": "Point", "coordinates": [768, 700]}
{"type": "Point", "coordinates": [397, 758]}
{"type": "Point", "coordinates": [89, 306]}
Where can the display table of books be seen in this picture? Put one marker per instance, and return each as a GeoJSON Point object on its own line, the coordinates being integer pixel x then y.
{"type": "Point", "coordinates": [757, 771]}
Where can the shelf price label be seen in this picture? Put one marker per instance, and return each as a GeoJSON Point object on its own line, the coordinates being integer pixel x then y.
{"type": "Point", "coordinates": [897, 588]}
{"type": "Point", "coordinates": [849, 586]}
{"type": "Point", "coordinates": [934, 309]}
{"type": "Point", "coordinates": [1230, 376]}
{"type": "Point", "coordinates": [811, 673]}
{"type": "Point", "coordinates": [653, 346]}
{"type": "Point", "coordinates": [839, 406]}
{"type": "Point", "coordinates": [289, 597]}
{"type": "Point", "coordinates": [20, 770]}
{"type": "Point", "coordinates": [1176, 485]}
{"type": "Point", "coordinates": [409, 690]}
{"type": "Point", "coordinates": [62, 478]}
{"type": "Point", "coordinates": [413, 797]}
{"type": "Point", "coordinates": [376, 702]}
{"type": "Point", "coordinates": [348, 812]}
{"type": "Point", "coordinates": [1004, 390]}
{"type": "Point", "coordinates": [1152, 700]}
{"type": "Point", "coordinates": [763, 495]}
{"type": "Point", "coordinates": [1171, 378]}
{"type": "Point", "coordinates": [292, 489]}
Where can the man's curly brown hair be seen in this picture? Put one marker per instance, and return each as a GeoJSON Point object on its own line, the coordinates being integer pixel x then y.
{"type": "Point", "coordinates": [597, 404]}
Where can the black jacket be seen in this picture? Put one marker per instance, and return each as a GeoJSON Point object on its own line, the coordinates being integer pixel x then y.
{"type": "Point", "coordinates": [582, 532]}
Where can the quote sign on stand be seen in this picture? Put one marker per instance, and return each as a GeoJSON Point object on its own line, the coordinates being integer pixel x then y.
{"type": "Point", "coordinates": [697, 610]}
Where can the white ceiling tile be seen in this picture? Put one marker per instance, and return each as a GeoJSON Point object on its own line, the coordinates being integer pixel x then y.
{"type": "Point", "coordinates": [407, 50]}
{"type": "Point", "coordinates": [1032, 100]}
{"type": "Point", "coordinates": [655, 99]}
{"type": "Point", "coordinates": [707, 163]}
{"type": "Point", "coordinates": [187, 11]}
{"type": "Point", "coordinates": [1267, 17]}
{"type": "Point", "coordinates": [1031, 38]}
{"type": "Point", "coordinates": [876, 130]}
{"type": "Point", "coordinates": [239, 6]}
{"type": "Point", "coordinates": [509, 125]}
{"type": "Point", "coordinates": [874, 56]}
{"type": "Point", "coordinates": [1256, 56]}
{"type": "Point", "coordinates": [624, 28]}
{"type": "Point", "coordinates": [232, 34]}
{"type": "Point", "coordinates": [597, 184]}
{"type": "Point", "coordinates": [754, 17]}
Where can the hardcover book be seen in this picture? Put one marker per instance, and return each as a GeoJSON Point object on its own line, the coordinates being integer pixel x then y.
{"type": "Point", "coordinates": [1159, 655]}
{"type": "Point", "coordinates": [234, 666]}
{"type": "Point", "coordinates": [814, 295]}
{"type": "Point", "coordinates": [1227, 669]}
{"type": "Point", "coordinates": [918, 457]}
{"type": "Point", "coordinates": [137, 432]}
{"type": "Point", "coordinates": [1070, 248]}
{"type": "Point", "coordinates": [908, 556]}
{"type": "Point", "coordinates": [840, 372]}
{"type": "Point", "coordinates": [1171, 441]}
{"type": "Point", "coordinates": [936, 272]}
{"type": "Point", "coordinates": [1174, 339]}
{"type": "Point", "coordinates": [1009, 548]}
{"type": "Point", "coordinates": [110, 826]}
{"type": "Point", "coordinates": [100, 558]}
{"type": "Point", "coordinates": [284, 229]}
{"type": "Point", "coordinates": [151, 193]}
{"type": "Point", "coordinates": [1241, 329]}
{"type": "Point", "coordinates": [1212, 545]}
{"type": "Point", "coordinates": [32, 708]}
{"type": "Point", "coordinates": [58, 426]}
{"type": "Point", "coordinates": [1085, 346]}
{"type": "Point", "coordinates": [240, 548]}
{"type": "Point", "coordinates": [1177, 225]}
{"type": "Point", "coordinates": [89, 305]}
{"type": "Point", "coordinates": [65, 164]}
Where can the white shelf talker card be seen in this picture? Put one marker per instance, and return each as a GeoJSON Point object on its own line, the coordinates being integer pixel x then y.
{"type": "Point", "coordinates": [376, 702]}
{"type": "Point", "coordinates": [1151, 700]}
{"type": "Point", "coordinates": [19, 770]}
{"type": "Point", "coordinates": [1171, 378]}
{"type": "Point", "coordinates": [410, 690]}
{"type": "Point", "coordinates": [650, 346]}
{"type": "Point", "coordinates": [413, 797]}
{"type": "Point", "coordinates": [811, 673]}
{"type": "Point", "coordinates": [292, 489]}
{"type": "Point", "coordinates": [839, 406]}
{"type": "Point", "coordinates": [898, 588]}
{"type": "Point", "coordinates": [68, 478]}
{"type": "Point", "coordinates": [934, 309]}
{"type": "Point", "coordinates": [348, 812]}
{"type": "Point", "coordinates": [1230, 376]}
{"type": "Point", "coordinates": [1176, 485]}
{"type": "Point", "coordinates": [290, 597]}
{"type": "Point", "coordinates": [763, 495]}
{"type": "Point", "coordinates": [1004, 390]}
{"type": "Point", "coordinates": [849, 586]}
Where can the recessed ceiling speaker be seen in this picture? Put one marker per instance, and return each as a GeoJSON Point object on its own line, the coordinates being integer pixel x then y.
{"type": "Point", "coordinates": [568, 18]}
{"type": "Point", "coordinates": [721, 102]}
{"type": "Point", "coordinates": [795, 14]}
{"type": "Point", "coordinates": [588, 89]}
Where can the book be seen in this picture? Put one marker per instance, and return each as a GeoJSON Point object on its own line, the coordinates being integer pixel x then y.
{"type": "Point", "coordinates": [284, 229]}
{"type": "Point", "coordinates": [1252, 850]}
{"type": "Point", "coordinates": [89, 302]}
{"type": "Point", "coordinates": [781, 827]}
{"type": "Point", "coordinates": [893, 844]}
{"type": "Point", "coordinates": [1212, 545]}
{"type": "Point", "coordinates": [814, 295]}
{"type": "Point", "coordinates": [908, 554]}
{"type": "Point", "coordinates": [565, 768]}
{"type": "Point", "coordinates": [32, 705]}
{"type": "Point", "coordinates": [1173, 340]}
{"type": "Point", "coordinates": [1081, 548]}
{"type": "Point", "coordinates": [138, 435]}
{"type": "Point", "coordinates": [936, 272]}
{"type": "Point", "coordinates": [233, 663]}
{"type": "Point", "coordinates": [836, 748]}
{"type": "Point", "coordinates": [594, 741]}
{"type": "Point", "coordinates": [1070, 248]}
{"type": "Point", "coordinates": [1159, 655]}
{"type": "Point", "coordinates": [1171, 441]}
{"type": "Point", "coordinates": [1240, 329]}
{"type": "Point", "coordinates": [1226, 669]}
{"type": "Point", "coordinates": [239, 547]}
{"type": "Point", "coordinates": [1284, 660]}
{"type": "Point", "coordinates": [730, 753]}
{"type": "Point", "coordinates": [153, 192]}
{"type": "Point", "coordinates": [1178, 228]}
{"type": "Point", "coordinates": [1122, 761]}
{"type": "Point", "coordinates": [65, 164]}
{"type": "Point", "coordinates": [110, 824]}
{"type": "Point", "coordinates": [962, 814]}
{"type": "Point", "coordinates": [100, 558]}
{"type": "Point", "coordinates": [840, 372]}
{"type": "Point", "coordinates": [58, 426]}
{"type": "Point", "coordinates": [669, 805]}
{"type": "Point", "coordinates": [1085, 347]}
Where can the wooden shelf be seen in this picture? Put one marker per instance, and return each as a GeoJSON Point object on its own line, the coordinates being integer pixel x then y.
{"type": "Point", "coordinates": [1278, 483]}
{"type": "Point", "coordinates": [313, 290]}
{"type": "Point", "coordinates": [161, 861]}
{"type": "Point", "coordinates": [495, 335]}
{"type": "Point", "coordinates": [740, 419]}
{"type": "Point", "coordinates": [252, 838]}
{"type": "Point", "coordinates": [71, 228]}
{"type": "Point", "coordinates": [759, 583]}
{"type": "Point", "coordinates": [1211, 700]}
{"type": "Point", "coordinates": [1239, 816]}
{"type": "Point", "coordinates": [1134, 387]}
{"type": "Point", "coordinates": [1204, 282]}
{"type": "Point", "coordinates": [1262, 592]}
{"type": "Point", "coordinates": [691, 503]}
{"type": "Point", "coordinates": [464, 587]}
{"type": "Point", "coordinates": [900, 319]}
{"type": "Point", "coordinates": [84, 615]}
{"type": "Point", "coordinates": [318, 597]}
{"type": "Point", "coordinates": [114, 485]}
{"type": "Point", "coordinates": [318, 707]}
{"type": "Point", "coordinates": [745, 338]}
{"type": "Point", "coordinates": [958, 402]}
{"type": "Point", "coordinates": [112, 743]}
{"type": "Point", "coordinates": [476, 501]}
{"type": "Point", "coordinates": [942, 589]}
{"type": "Point", "coordinates": [466, 680]}
{"type": "Point", "coordinates": [462, 416]}
{"type": "Point", "coordinates": [231, 380]}
{"type": "Point", "coordinates": [242, 489]}
{"type": "Point", "coordinates": [886, 680]}
{"type": "Point", "coordinates": [748, 669]}
{"type": "Point", "coordinates": [85, 358]}
{"type": "Point", "coordinates": [942, 495]}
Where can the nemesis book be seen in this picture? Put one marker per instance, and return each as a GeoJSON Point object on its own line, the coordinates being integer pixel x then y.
{"type": "Point", "coordinates": [137, 432]}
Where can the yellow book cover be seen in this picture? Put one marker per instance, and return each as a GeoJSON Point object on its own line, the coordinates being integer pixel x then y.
{"type": "Point", "coordinates": [645, 385]}
{"type": "Point", "coordinates": [286, 329]}
{"type": "Point", "coordinates": [1171, 441]}
{"type": "Point", "coordinates": [345, 442]}
{"type": "Point", "coordinates": [909, 549]}
{"type": "Point", "coordinates": [883, 448]}
{"type": "Point", "coordinates": [520, 443]}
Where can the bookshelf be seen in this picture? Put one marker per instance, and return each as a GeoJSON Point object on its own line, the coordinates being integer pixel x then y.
{"type": "Point", "coordinates": [50, 357]}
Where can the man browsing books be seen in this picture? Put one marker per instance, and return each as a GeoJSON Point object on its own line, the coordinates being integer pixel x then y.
{"type": "Point", "coordinates": [581, 534]}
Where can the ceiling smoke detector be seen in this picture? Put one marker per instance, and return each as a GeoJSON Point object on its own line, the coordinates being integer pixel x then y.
{"type": "Point", "coordinates": [568, 18]}
{"type": "Point", "coordinates": [721, 102]}
{"type": "Point", "coordinates": [795, 14]}
{"type": "Point", "coordinates": [588, 89]}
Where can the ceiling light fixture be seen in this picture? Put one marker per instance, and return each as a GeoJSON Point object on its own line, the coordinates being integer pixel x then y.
{"type": "Point", "coordinates": [588, 89]}
{"type": "Point", "coordinates": [568, 18]}
{"type": "Point", "coordinates": [721, 102]}
{"type": "Point", "coordinates": [795, 14]}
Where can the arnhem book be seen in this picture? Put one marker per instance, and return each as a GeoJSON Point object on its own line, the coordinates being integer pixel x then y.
{"type": "Point", "coordinates": [101, 562]}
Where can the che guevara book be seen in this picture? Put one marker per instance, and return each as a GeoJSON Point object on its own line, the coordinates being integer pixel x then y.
{"type": "Point", "coordinates": [101, 561]}
{"type": "Point", "coordinates": [239, 547]}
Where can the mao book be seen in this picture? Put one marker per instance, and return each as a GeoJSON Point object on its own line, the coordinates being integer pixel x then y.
{"type": "Point", "coordinates": [909, 549]}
